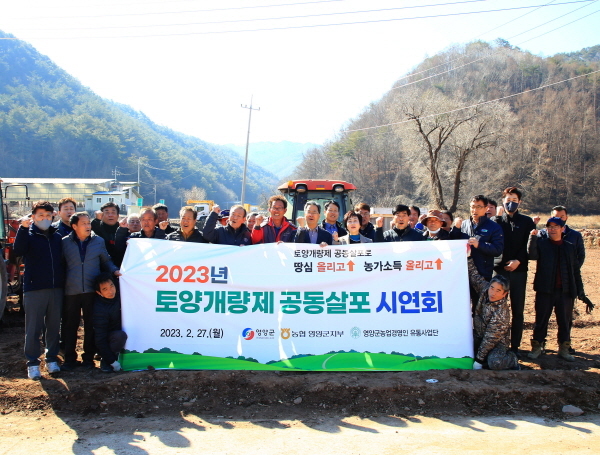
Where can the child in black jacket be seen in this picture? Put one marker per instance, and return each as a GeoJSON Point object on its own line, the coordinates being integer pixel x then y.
{"type": "Point", "coordinates": [110, 339]}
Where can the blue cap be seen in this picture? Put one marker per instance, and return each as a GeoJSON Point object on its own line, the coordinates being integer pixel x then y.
{"type": "Point", "coordinates": [556, 220]}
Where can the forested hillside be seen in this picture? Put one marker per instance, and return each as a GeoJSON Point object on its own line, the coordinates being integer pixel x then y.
{"type": "Point", "coordinates": [52, 126]}
{"type": "Point", "coordinates": [435, 139]}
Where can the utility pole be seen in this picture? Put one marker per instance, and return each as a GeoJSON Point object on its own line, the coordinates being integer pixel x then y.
{"type": "Point", "coordinates": [250, 108]}
{"type": "Point", "coordinates": [138, 180]}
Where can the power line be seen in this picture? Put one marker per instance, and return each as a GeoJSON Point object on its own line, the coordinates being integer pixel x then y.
{"type": "Point", "coordinates": [260, 19]}
{"type": "Point", "coordinates": [535, 37]}
{"type": "Point", "coordinates": [481, 34]}
{"type": "Point", "coordinates": [182, 11]}
{"type": "Point", "coordinates": [473, 105]}
{"type": "Point", "coordinates": [152, 167]}
{"type": "Point", "coordinates": [552, 20]}
{"type": "Point", "coordinates": [515, 19]}
{"type": "Point", "coordinates": [292, 27]}
{"type": "Point", "coordinates": [491, 52]}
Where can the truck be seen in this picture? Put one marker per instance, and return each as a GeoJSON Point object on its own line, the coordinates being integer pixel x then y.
{"type": "Point", "coordinates": [202, 207]}
{"type": "Point", "coordinates": [3, 268]}
{"type": "Point", "coordinates": [298, 192]}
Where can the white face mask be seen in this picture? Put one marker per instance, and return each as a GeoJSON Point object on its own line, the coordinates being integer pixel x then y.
{"type": "Point", "coordinates": [434, 232]}
{"type": "Point", "coordinates": [43, 224]}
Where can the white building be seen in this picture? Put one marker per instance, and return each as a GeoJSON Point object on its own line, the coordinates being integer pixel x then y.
{"type": "Point", "coordinates": [125, 197]}
{"type": "Point", "coordinates": [87, 192]}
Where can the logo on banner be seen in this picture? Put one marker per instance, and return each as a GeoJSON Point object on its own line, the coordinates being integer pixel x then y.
{"type": "Point", "coordinates": [355, 332]}
{"type": "Point", "coordinates": [285, 333]}
{"type": "Point", "coordinates": [248, 334]}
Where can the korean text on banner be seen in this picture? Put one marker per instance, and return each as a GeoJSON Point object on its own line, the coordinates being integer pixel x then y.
{"type": "Point", "coordinates": [392, 306]}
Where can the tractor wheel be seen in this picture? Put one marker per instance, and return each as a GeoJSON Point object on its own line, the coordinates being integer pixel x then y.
{"type": "Point", "coordinates": [15, 279]}
{"type": "Point", "coordinates": [3, 288]}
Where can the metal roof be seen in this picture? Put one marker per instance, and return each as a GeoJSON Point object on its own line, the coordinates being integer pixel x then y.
{"type": "Point", "coordinates": [54, 181]}
{"type": "Point", "coordinates": [36, 181]}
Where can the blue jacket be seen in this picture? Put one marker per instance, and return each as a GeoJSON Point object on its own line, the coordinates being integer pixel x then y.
{"type": "Point", "coordinates": [491, 243]}
{"type": "Point", "coordinates": [42, 255]}
{"type": "Point", "coordinates": [397, 235]}
{"type": "Point", "coordinates": [340, 229]}
{"type": "Point", "coordinates": [368, 231]}
{"type": "Point", "coordinates": [123, 235]}
{"type": "Point", "coordinates": [81, 274]}
{"type": "Point", "coordinates": [225, 235]}
{"type": "Point", "coordinates": [302, 236]}
{"type": "Point", "coordinates": [63, 229]}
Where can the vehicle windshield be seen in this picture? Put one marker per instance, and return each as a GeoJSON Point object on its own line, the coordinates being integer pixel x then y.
{"type": "Point", "coordinates": [321, 198]}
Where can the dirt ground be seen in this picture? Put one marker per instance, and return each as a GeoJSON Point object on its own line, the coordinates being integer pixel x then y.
{"type": "Point", "coordinates": [541, 388]}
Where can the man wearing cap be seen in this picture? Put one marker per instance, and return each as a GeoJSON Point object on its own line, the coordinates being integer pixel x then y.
{"type": "Point", "coordinates": [570, 235]}
{"type": "Point", "coordinates": [557, 283]}
{"type": "Point", "coordinates": [513, 264]}
{"type": "Point", "coordinates": [401, 232]}
{"type": "Point", "coordinates": [434, 223]}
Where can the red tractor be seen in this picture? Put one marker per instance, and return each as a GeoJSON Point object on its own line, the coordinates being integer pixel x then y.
{"type": "Point", "coordinates": [11, 267]}
{"type": "Point", "coordinates": [298, 192]}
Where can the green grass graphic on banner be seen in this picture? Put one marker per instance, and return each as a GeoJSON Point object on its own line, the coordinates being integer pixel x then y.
{"type": "Point", "coordinates": [355, 361]}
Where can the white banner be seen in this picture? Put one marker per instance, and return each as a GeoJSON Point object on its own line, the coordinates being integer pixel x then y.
{"type": "Point", "coordinates": [277, 302]}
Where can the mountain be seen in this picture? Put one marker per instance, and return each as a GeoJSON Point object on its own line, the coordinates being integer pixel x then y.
{"type": "Point", "coordinates": [585, 55]}
{"type": "Point", "coordinates": [279, 158]}
{"type": "Point", "coordinates": [475, 119]}
{"type": "Point", "coordinates": [53, 126]}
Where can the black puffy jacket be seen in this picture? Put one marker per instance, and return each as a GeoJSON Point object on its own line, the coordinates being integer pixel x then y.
{"type": "Point", "coordinates": [549, 256]}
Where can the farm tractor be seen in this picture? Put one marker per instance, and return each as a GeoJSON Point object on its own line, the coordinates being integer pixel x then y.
{"type": "Point", "coordinates": [11, 267]}
{"type": "Point", "coordinates": [298, 192]}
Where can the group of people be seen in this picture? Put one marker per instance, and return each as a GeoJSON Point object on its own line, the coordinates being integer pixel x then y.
{"type": "Point", "coordinates": [72, 265]}
{"type": "Point", "coordinates": [68, 271]}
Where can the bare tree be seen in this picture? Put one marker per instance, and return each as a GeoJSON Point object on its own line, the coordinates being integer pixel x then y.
{"type": "Point", "coordinates": [195, 193]}
{"type": "Point", "coordinates": [483, 131]}
{"type": "Point", "coordinates": [441, 138]}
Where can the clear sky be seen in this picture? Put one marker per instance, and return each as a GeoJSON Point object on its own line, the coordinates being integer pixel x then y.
{"type": "Point", "coordinates": [190, 64]}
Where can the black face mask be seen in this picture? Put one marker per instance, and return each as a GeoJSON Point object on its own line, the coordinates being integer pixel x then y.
{"type": "Point", "coordinates": [511, 207]}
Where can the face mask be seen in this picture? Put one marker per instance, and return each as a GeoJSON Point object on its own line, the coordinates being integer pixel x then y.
{"type": "Point", "coordinates": [434, 232]}
{"type": "Point", "coordinates": [43, 224]}
{"type": "Point", "coordinates": [511, 207]}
